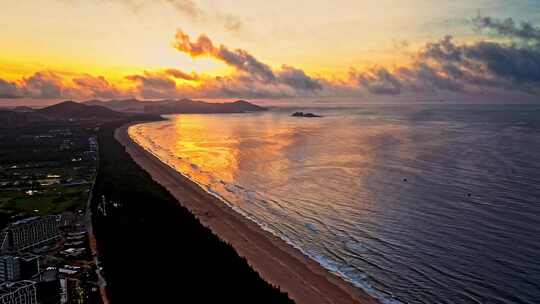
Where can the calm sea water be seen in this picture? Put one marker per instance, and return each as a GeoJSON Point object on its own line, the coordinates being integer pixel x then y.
{"type": "Point", "coordinates": [413, 203]}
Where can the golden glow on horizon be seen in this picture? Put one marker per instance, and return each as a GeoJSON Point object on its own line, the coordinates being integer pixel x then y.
{"type": "Point", "coordinates": [117, 39]}
{"type": "Point", "coordinates": [114, 40]}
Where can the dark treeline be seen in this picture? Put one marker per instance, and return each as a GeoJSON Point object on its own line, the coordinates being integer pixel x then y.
{"type": "Point", "coordinates": [154, 250]}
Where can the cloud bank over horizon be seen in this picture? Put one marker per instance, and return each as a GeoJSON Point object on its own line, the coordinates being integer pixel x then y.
{"type": "Point", "coordinates": [504, 62]}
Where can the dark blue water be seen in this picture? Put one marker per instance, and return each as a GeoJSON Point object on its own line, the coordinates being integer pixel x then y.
{"type": "Point", "coordinates": [465, 227]}
{"type": "Point", "coordinates": [413, 203]}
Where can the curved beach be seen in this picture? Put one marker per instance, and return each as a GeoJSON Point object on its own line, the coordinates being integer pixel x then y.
{"type": "Point", "coordinates": [277, 262]}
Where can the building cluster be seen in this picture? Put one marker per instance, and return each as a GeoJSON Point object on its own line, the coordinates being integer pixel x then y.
{"type": "Point", "coordinates": [29, 233]}
{"type": "Point", "coordinates": [23, 292]}
{"type": "Point", "coordinates": [38, 262]}
{"type": "Point", "coordinates": [46, 170]}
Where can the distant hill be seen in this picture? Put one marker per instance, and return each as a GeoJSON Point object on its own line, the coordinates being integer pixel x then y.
{"type": "Point", "coordinates": [188, 106]}
{"type": "Point", "coordinates": [125, 105]}
{"type": "Point", "coordinates": [117, 109]}
{"type": "Point", "coordinates": [67, 111]}
{"type": "Point", "coordinates": [73, 110]}
{"type": "Point", "coordinates": [183, 106]}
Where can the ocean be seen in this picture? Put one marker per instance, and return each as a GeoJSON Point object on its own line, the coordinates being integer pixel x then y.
{"type": "Point", "coordinates": [414, 203]}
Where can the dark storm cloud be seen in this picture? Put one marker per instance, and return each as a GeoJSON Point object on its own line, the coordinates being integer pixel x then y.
{"type": "Point", "coordinates": [519, 65]}
{"type": "Point", "coordinates": [379, 81]}
{"type": "Point", "coordinates": [91, 86]}
{"type": "Point", "coordinates": [297, 79]}
{"type": "Point", "coordinates": [503, 61]}
{"type": "Point", "coordinates": [181, 74]}
{"type": "Point", "coordinates": [444, 50]}
{"type": "Point", "coordinates": [448, 66]}
{"type": "Point", "coordinates": [244, 61]}
{"type": "Point", "coordinates": [444, 78]}
{"type": "Point", "coordinates": [47, 84]}
{"type": "Point", "coordinates": [154, 85]}
{"type": "Point", "coordinates": [42, 85]}
{"type": "Point", "coordinates": [508, 28]}
{"type": "Point", "coordinates": [8, 89]}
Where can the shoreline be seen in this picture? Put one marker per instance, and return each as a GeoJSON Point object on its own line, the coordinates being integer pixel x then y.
{"type": "Point", "coordinates": [277, 262]}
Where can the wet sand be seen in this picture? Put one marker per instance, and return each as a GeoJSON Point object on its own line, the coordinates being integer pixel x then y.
{"type": "Point", "coordinates": [278, 263]}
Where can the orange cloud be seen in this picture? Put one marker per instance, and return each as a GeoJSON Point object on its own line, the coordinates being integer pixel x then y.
{"type": "Point", "coordinates": [239, 59]}
{"type": "Point", "coordinates": [182, 75]}
{"type": "Point", "coordinates": [440, 67]}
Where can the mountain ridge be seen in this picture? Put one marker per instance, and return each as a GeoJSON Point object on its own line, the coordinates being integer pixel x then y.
{"type": "Point", "coordinates": [73, 110]}
{"type": "Point", "coordinates": [176, 106]}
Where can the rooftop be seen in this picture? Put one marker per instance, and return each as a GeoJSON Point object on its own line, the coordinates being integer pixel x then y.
{"type": "Point", "coordinates": [29, 220]}
{"type": "Point", "coordinates": [10, 287]}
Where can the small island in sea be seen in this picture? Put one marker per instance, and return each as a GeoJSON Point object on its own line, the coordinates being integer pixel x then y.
{"type": "Point", "coordinates": [302, 114]}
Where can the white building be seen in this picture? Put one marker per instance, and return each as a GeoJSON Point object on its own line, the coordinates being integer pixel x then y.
{"type": "Point", "coordinates": [22, 292]}
{"type": "Point", "coordinates": [28, 233]}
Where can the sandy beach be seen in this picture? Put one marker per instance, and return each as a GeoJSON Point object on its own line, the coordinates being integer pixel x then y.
{"type": "Point", "coordinates": [277, 262]}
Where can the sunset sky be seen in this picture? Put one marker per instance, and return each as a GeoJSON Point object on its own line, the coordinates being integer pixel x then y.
{"type": "Point", "coordinates": [268, 49]}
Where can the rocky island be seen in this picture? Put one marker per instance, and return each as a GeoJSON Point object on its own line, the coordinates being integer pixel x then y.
{"type": "Point", "coordinates": [302, 114]}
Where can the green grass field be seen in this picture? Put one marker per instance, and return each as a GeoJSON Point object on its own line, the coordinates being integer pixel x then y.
{"type": "Point", "coordinates": [50, 200]}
